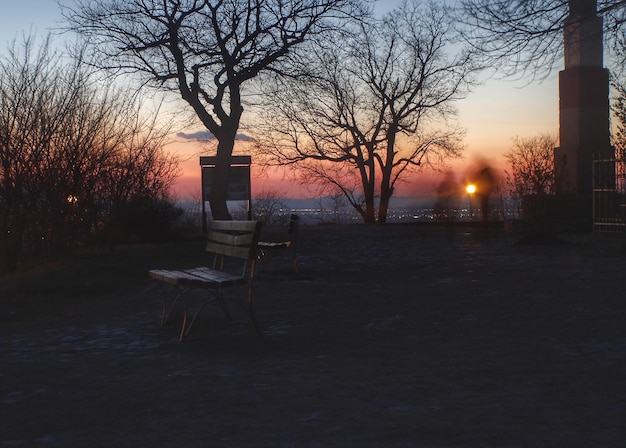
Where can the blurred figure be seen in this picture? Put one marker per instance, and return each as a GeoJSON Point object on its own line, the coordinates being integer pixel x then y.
{"type": "Point", "coordinates": [448, 199]}
{"type": "Point", "coordinates": [485, 182]}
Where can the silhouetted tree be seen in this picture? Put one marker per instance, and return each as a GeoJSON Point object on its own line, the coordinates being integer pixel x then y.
{"type": "Point", "coordinates": [334, 209]}
{"type": "Point", "coordinates": [531, 162]}
{"type": "Point", "coordinates": [618, 108]}
{"type": "Point", "coordinates": [71, 148]}
{"type": "Point", "coordinates": [618, 139]}
{"type": "Point", "coordinates": [521, 37]}
{"type": "Point", "coordinates": [266, 204]}
{"type": "Point", "coordinates": [205, 51]}
{"type": "Point", "coordinates": [532, 178]}
{"type": "Point", "coordinates": [371, 108]}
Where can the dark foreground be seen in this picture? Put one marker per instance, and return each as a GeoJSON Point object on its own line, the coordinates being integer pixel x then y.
{"type": "Point", "coordinates": [402, 336]}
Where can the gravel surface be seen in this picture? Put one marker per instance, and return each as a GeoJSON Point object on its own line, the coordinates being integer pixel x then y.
{"type": "Point", "coordinates": [394, 336]}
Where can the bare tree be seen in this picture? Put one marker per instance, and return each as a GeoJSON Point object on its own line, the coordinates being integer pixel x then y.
{"type": "Point", "coordinates": [372, 108]}
{"type": "Point", "coordinates": [531, 162]}
{"type": "Point", "coordinates": [266, 204]}
{"type": "Point", "coordinates": [205, 51]}
{"type": "Point", "coordinates": [522, 37]}
{"type": "Point", "coordinates": [67, 144]}
{"type": "Point", "coordinates": [618, 139]}
{"type": "Point", "coordinates": [334, 209]}
{"type": "Point", "coordinates": [618, 108]}
{"type": "Point", "coordinates": [532, 179]}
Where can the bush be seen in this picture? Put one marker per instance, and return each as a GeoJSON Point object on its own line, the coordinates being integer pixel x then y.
{"type": "Point", "coordinates": [144, 220]}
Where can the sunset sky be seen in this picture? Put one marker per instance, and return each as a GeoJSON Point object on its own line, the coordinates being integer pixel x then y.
{"type": "Point", "coordinates": [492, 114]}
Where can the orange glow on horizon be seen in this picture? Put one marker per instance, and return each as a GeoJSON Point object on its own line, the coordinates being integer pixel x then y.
{"type": "Point", "coordinates": [422, 184]}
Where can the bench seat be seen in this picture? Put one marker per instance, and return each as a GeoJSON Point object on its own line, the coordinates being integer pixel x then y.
{"type": "Point", "coordinates": [273, 244]}
{"type": "Point", "coordinates": [201, 276]}
{"type": "Point", "coordinates": [226, 240]}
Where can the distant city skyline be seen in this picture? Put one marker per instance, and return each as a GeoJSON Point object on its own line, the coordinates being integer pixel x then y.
{"type": "Point", "coordinates": [493, 114]}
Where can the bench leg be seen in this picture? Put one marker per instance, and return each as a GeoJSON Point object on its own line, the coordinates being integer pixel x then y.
{"type": "Point", "coordinates": [185, 331]}
{"type": "Point", "coordinates": [247, 308]}
{"type": "Point", "coordinates": [250, 311]}
{"type": "Point", "coordinates": [219, 299]}
{"type": "Point", "coordinates": [165, 312]}
{"type": "Point", "coordinates": [187, 323]}
{"type": "Point", "coordinates": [255, 322]}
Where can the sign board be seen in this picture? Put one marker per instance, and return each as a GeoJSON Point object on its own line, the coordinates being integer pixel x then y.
{"type": "Point", "coordinates": [239, 185]}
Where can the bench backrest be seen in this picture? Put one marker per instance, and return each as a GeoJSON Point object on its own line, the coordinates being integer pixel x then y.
{"type": "Point", "coordinates": [234, 238]}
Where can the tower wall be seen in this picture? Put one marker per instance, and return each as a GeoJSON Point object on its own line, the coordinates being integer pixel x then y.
{"type": "Point", "coordinates": [583, 109]}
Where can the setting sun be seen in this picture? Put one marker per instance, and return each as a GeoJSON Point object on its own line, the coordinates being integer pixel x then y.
{"type": "Point", "coordinates": [471, 188]}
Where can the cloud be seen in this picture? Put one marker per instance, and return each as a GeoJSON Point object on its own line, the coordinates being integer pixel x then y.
{"type": "Point", "coordinates": [206, 136]}
{"type": "Point", "coordinates": [198, 135]}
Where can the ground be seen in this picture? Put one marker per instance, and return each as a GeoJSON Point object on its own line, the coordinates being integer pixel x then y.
{"type": "Point", "coordinates": [394, 336]}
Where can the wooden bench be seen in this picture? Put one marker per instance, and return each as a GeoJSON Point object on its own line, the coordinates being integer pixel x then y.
{"type": "Point", "coordinates": [291, 242]}
{"type": "Point", "coordinates": [228, 241]}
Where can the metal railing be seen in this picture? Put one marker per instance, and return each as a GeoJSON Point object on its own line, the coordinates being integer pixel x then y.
{"type": "Point", "coordinates": [609, 194]}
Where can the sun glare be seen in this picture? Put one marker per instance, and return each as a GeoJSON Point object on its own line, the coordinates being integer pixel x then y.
{"type": "Point", "coordinates": [471, 189]}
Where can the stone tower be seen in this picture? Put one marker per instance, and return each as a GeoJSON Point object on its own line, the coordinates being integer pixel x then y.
{"type": "Point", "coordinates": [583, 109]}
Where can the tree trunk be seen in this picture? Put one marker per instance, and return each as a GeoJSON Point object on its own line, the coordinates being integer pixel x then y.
{"type": "Point", "coordinates": [219, 187]}
{"type": "Point", "coordinates": [385, 196]}
{"type": "Point", "coordinates": [383, 207]}
{"type": "Point", "coordinates": [221, 178]}
{"type": "Point", "coordinates": [369, 214]}
{"type": "Point", "coordinates": [368, 181]}
{"type": "Point", "coordinates": [386, 188]}
{"type": "Point", "coordinates": [370, 211]}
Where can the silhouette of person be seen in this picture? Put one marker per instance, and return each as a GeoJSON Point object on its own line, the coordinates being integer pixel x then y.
{"type": "Point", "coordinates": [448, 199]}
{"type": "Point", "coordinates": [485, 184]}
